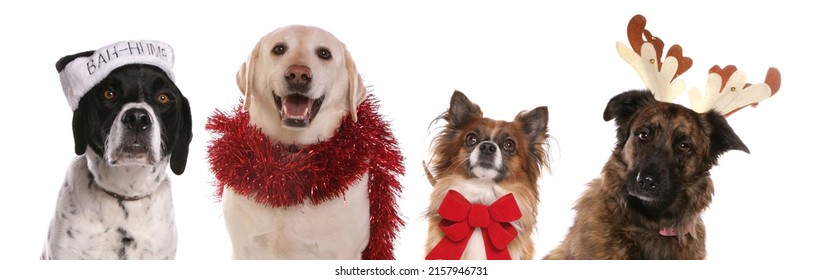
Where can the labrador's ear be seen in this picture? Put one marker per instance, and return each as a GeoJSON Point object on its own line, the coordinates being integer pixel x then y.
{"type": "Point", "coordinates": [245, 75]}
{"type": "Point", "coordinates": [357, 90]}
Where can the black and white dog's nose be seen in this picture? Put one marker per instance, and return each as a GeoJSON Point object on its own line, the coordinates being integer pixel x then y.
{"type": "Point", "coordinates": [487, 148]}
{"type": "Point", "coordinates": [136, 119]}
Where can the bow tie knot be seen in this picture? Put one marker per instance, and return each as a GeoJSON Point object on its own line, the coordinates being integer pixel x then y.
{"type": "Point", "coordinates": [479, 216]}
{"type": "Point", "coordinates": [461, 217]}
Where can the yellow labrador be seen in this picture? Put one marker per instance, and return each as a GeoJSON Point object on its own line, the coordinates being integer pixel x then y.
{"type": "Point", "coordinates": [299, 82]}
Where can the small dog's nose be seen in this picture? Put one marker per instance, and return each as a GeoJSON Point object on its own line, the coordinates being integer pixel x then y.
{"type": "Point", "coordinates": [646, 181]}
{"type": "Point", "coordinates": [136, 119]}
{"type": "Point", "coordinates": [298, 75]}
{"type": "Point", "coordinates": [487, 148]}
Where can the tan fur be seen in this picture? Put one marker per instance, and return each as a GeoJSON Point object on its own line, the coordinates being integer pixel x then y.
{"type": "Point", "coordinates": [338, 79]}
{"type": "Point", "coordinates": [335, 229]}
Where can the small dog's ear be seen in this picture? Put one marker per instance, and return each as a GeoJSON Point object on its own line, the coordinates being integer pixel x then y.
{"type": "Point", "coordinates": [357, 90]}
{"type": "Point", "coordinates": [721, 135]}
{"type": "Point", "coordinates": [81, 124]}
{"type": "Point", "coordinates": [462, 110]}
{"type": "Point", "coordinates": [246, 73]}
{"type": "Point", "coordinates": [180, 154]}
{"type": "Point", "coordinates": [535, 123]}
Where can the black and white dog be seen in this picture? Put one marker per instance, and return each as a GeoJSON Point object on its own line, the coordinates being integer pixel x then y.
{"type": "Point", "coordinates": [128, 127]}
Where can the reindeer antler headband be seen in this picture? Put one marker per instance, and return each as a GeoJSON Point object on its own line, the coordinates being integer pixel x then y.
{"type": "Point", "coordinates": [726, 88]}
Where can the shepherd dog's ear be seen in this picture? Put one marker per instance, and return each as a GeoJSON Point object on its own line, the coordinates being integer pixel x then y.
{"type": "Point", "coordinates": [623, 107]}
{"type": "Point", "coordinates": [721, 135]}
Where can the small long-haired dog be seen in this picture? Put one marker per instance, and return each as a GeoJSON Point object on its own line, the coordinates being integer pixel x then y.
{"type": "Point", "coordinates": [654, 186]}
{"type": "Point", "coordinates": [476, 163]}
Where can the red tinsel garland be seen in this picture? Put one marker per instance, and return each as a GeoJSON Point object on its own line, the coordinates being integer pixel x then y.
{"type": "Point", "coordinates": [244, 159]}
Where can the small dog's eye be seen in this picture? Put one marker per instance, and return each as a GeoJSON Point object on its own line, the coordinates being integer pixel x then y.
{"type": "Point", "coordinates": [324, 53]}
{"type": "Point", "coordinates": [108, 95]}
{"type": "Point", "coordinates": [471, 139]}
{"type": "Point", "coordinates": [162, 98]}
{"type": "Point", "coordinates": [279, 49]}
{"type": "Point", "coordinates": [509, 146]}
{"type": "Point", "coordinates": [642, 135]}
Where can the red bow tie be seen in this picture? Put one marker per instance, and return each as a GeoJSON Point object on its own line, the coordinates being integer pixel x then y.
{"type": "Point", "coordinates": [460, 218]}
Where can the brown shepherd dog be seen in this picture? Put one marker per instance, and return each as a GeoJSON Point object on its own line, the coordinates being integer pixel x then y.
{"type": "Point", "coordinates": [651, 192]}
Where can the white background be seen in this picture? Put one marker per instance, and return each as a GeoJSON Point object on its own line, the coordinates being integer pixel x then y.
{"type": "Point", "coordinates": [507, 56]}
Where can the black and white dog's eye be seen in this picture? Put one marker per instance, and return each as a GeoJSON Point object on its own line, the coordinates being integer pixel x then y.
{"type": "Point", "coordinates": [471, 139]}
{"type": "Point", "coordinates": [279, 49]}
{"type": "Point", "coordinates": [162, 98]}
{"type": "Point", "coordinates": [509, 146]}
{"type": "Point", "coordinates": [323, 53]}
{"type": "Point", "coordinates": [108, 95]}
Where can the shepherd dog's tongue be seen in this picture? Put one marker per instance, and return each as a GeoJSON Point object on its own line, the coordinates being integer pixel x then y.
{"type": "Point", "coordinates": [296, 106]}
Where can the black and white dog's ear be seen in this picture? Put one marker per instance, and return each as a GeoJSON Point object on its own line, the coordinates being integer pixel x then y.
{"type": "Point", "coordinates": [80, 128]}
{"type": "Point", "coordinates": [721, 135]}
{"type": "Point", "coordinates": [180, 152]}
{"type": "Point", "coordinates": [63, 61]}
{"type": "Point", "coordinates": [80, 122]}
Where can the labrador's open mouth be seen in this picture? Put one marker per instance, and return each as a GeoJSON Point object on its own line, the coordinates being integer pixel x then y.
{"type": "Point", "coordinates": [297, 110]}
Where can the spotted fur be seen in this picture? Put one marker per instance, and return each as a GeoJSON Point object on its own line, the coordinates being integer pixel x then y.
{"type": "Point", "coordinates": [115, 202]}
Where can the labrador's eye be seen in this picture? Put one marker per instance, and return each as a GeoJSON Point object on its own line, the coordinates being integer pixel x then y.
{"type": "Point", "coordinates": [323, 53]}
{"type": "Point", "coordinates": [279, 49]}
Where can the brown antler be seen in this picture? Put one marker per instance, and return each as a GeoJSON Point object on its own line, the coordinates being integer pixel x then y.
{"type": "Point", "coordinates": [727, 90]}
{"type": "Point", "coordinates": [645, 56]}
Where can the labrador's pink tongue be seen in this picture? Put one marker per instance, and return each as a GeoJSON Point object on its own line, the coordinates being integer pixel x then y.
{"type": "Point", "coordinates": [296, 106]}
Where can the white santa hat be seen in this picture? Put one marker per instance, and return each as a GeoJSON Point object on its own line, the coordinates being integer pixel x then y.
{"type": "Point", "coordinates": [87, 69]}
